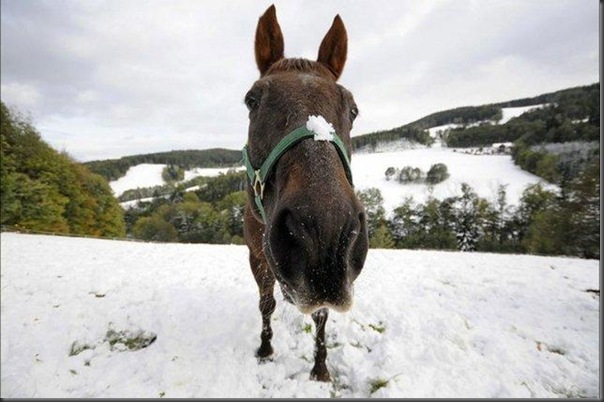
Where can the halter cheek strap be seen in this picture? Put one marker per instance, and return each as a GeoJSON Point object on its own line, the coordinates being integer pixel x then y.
{"type": "Point", "coordinates": [258, 177]}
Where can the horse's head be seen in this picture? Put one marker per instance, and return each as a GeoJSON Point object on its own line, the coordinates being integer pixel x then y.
{"type": "Point", "coordinates": [315, 234]}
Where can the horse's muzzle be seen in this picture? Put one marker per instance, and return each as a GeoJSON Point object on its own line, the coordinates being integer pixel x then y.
{"type": "Point", "coordinates": [316, 258]}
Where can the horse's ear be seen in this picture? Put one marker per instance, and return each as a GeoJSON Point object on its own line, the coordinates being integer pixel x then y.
{"type": "Point", "coordinates": [269, 40]}
{"type": "Point", "coordinates": [334, 47]}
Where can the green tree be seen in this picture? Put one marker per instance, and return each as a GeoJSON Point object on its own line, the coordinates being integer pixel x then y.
{"type": "Point", "coordinates": [547, 167]}
{"type": "Point", "coordinates": [172, 173]}
{"type": "Point", "coordinates": [437, 221]}
{"type": "Point", "coordinates": [534, 200]}
{"type": "Point", "coordinates": [390, 172]}
{"type": "Point", "coordinates": [231, 207]}
{"type": "Point", "coordinates": [373, 201]}
{"type": "Point", "coordinates": [437, 173]}
{"type": "Point", "coordinates": [410, 174]}
{"type": "Point", "coordinates": [381, 238]}
{"type": "Point", "coordinates": [468, 219]}
{"type": "Point", "coordinates": [584, 212]}
{"type": "Point", "coordinates": [43, 190]}
{"type": "Point", "coordinates": [154, 228]}
{"type": "Point", "coordinates": [405, 225]}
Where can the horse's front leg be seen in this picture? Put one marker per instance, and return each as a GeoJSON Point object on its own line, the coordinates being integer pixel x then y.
{"type": "Point", "coordinates": [319, 372]}
{"type": "Point", "coordinates": [266, 285]}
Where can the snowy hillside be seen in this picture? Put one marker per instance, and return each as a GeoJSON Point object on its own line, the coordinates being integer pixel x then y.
{"type": "Point", "coordinates": [143, 175]}
{"type": "Point", "coordinates": [424, 324]}
{"type": "Point", "coordinates": [483, 172]}
{"type": "Point", "coordinates": [150, 175]}
{"type": "Point", "coordinates": [510, 112]}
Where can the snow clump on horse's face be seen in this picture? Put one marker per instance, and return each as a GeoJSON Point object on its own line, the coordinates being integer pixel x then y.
{"type": "Point", "coordinates": [322, 128]}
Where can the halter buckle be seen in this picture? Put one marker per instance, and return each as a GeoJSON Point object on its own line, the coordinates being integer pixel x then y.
{"type": "Point", "coordinates": [258, 185]}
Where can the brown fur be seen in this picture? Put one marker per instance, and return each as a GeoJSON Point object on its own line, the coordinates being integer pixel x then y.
{"type": "Point", "coordinates": [314, 242]}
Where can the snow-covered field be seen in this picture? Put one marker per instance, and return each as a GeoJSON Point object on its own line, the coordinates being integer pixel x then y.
{"type": "Point", "coordinates": [424, 324]}
{"type": "Point", "coordinates": [484, 173]}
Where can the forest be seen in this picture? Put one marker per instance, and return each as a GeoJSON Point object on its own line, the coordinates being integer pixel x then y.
{"type": "Point", "coordinates": [544, 222]}
{"type": "Point", "coordinates": [47, 191]}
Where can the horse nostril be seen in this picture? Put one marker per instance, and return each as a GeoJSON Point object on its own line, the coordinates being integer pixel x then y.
{"type": "Point", "coordinates": [362, 219]}
{"type": "Point", "coordinates": [290, 227]}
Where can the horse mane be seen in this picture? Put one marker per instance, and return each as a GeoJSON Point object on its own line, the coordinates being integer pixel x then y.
{"type": "Point", "coordinates": [300, 65]}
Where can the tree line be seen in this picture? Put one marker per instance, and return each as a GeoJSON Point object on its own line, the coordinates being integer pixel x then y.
{"type": "Point", "coordinates": [213, 213]}
{"type": "Point", "coordinates": [113, 169]}
{"type": "Point", "coordinates": [437, 173]}
{"type": "Point", "coordinates": [544, 222]}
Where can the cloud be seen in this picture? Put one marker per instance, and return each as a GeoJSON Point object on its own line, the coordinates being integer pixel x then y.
{"type": "Point", "coordinates": [20, 94]}
{"type": "Point", "coordinates": [109, 78]}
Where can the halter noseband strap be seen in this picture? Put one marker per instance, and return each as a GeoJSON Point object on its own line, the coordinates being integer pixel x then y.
{"type": "Point", "coordinates": [258, 176]}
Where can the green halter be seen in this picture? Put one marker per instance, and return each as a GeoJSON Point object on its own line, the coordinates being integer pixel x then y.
{"type": "Point", "coordinates": [258, 176]}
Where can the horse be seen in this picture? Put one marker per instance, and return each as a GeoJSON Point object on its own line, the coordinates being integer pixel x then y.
{"type": "Point", "coordinates": [303, 223]}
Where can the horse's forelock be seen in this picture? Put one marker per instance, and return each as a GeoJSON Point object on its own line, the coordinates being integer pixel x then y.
{"type": "Point", "coordinates": [300, 65]}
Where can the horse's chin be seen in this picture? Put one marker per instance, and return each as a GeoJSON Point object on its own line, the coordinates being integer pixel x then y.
{"type": "Point", "coordinates": [309, 306]}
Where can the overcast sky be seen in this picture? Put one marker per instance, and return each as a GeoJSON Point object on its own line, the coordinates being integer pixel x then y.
{"type": "Point", "coordinates": [104, 79]}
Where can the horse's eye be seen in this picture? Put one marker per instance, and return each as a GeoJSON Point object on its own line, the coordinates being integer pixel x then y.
{"type": "Point", "coordinates": [251, 102]}
{"type": "Point", "coordinates": [354, 112]}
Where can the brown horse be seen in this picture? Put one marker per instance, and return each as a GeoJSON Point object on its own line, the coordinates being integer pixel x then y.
{"type": "Point", "coordinates": [303, 224]}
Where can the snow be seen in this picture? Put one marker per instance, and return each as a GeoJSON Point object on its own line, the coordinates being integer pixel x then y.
{"type": "Point", "coordinates": [322, 128]}
{"type": "Point", "coordinates": [432, 324]}
{"type": "Point", "coordinates": [510, 112]}
{"type": "Point", "coordinates": [208, 172]}
{"type": "Point", "coordinates": [143, 175]}
{"type": "Point", "coordinates": [401, 144]}
{"type": "Point", "coordinates": [149, 175]}
{"type": "Point", "coordinates": [134, 203]}
{"type": "Point", "coordinates": [434, 131]}
{"type": "Point", "coordinates": [484, 173]}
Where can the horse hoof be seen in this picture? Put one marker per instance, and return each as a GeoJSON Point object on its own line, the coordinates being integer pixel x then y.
{"type": "Point", "coordinates": [264, 353]}
{"type": "Point", "coordinates": [320, 375]}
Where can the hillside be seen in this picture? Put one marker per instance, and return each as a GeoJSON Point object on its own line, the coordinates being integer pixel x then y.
{"type": "Point", "coordinates": [424, 324]}
{"type": "Point", "coordinates": [113, 169]}
{"type": "Point", "coordinates": [572, 103]}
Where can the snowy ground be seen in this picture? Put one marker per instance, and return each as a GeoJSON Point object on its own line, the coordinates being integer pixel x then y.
{"type": "Point", "coordinates": [424, 324]}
